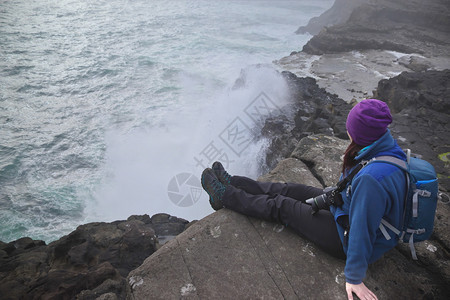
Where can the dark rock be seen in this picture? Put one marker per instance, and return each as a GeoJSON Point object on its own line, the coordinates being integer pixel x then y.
{"type": "Point", "coordinates": [407, 26]}
{"type": "Point", "coordinates": [420, 106]}
{"type": "Point", "coordinates": [315, 112]}
{"type": "Point", "coordinates": [418, 90]}
{"type": "Point", "coordinates": [167, 226]}
{"type": "Point", "coordinates": [19, 246]}
{"type": "Point", "coordinates": [89, 263]}
{"type": "Point", "coordinates": [109, 289]}
{"type": "Point", "coordinates": [277, 130]}
{"type": "Point", "coordinates": [143, 218]}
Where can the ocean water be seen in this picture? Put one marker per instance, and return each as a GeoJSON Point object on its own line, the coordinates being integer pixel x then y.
{"type": "Point", "coordinates": [113, 108]}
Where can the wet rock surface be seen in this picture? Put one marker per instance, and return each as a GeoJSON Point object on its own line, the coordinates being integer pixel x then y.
{"type": "Point", "coordinates": [421, 110]}
{"type": "Point", "coordinates": [90, 262]}
{"type": "Point", "coordinates": [377, 39]}
{"type": "Point", "coordinates": [313, 110]}
{"type": "Point", "coordinates": [355, 75]}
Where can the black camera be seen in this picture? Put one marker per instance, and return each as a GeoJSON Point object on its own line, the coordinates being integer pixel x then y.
{"type": "Point", "coordinates": [331, 196]}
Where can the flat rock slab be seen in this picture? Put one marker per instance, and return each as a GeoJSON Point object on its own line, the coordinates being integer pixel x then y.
{"type": "Point", "coordinates": [230, 256]}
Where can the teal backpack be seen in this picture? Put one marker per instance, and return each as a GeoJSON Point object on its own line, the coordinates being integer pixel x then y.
{"type": "Point", "coordinates": [421, 200]}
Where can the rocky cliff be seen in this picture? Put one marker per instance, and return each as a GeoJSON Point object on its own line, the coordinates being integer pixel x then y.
{"type": "Point", "coordinates": [407, 26]}
{"type": "Point", "coordinates": [89, 263]}
{"type": "Point", "coordinates": [379, 40]}
{"type": "Point", "coordinates": [227, 255]}
{"type": "Point", "coordinates": [419, 105]}
{"type": "Point", "coordinates": [421, 109]}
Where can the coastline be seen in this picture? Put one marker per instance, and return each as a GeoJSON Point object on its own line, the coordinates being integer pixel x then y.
{"type": "Point", "coordinates": [339, 78]}
{"type": "Point", "coordinates": [357, 43]}
{"type": "Point", "coordinates": [354, 75]}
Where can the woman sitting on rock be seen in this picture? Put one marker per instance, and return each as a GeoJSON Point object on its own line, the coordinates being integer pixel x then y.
{"type": "Point", "coordinates": [376, 192]}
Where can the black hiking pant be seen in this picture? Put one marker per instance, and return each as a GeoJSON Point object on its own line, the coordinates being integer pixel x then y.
{"type": "Point", "coordinates": [285, 203]}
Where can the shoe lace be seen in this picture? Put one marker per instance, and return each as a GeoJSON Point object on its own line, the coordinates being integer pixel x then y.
{"type": "Point", "coordinates": [227, 177]}
{"type": "Point", "coordinates": [219, 188]}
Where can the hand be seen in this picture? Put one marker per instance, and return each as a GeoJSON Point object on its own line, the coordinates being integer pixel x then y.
{"type": "Point", "coordinates": [360, 290]}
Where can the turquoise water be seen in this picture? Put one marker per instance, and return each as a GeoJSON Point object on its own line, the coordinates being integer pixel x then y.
{"type": "Point", "coordinates": [102, 103]}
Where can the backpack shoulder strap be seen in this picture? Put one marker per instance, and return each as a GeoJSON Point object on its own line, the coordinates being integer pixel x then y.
{"type": "Point", "coordinates": [404, 166]}
{"type": "Point", "coordinates": [392, 160]}
{"type": "Point", "coordinates": [396, 161]}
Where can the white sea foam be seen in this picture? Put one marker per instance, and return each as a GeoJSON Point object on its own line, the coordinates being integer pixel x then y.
{"type": "Point", "coordinates": [141, 163]}
{"type": "Point", "coordinates": [400, 54]}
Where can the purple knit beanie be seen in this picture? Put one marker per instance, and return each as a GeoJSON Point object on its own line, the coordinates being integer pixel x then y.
{"type": "Point", "coordinates": [367, 121]}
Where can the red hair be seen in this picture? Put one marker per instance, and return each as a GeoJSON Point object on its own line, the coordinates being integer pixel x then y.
{"type": "Point", "coordinates": [349, 156]}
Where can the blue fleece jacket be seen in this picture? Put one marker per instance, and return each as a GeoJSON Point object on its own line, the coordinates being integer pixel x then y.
{"type": "Point", "coordinates": [376, 192]}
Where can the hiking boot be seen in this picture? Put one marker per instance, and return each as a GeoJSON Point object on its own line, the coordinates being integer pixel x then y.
{"type": "Point", "coordinates": [215, 189]}
{"type": "Point", "coordinates": [221, 174]}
